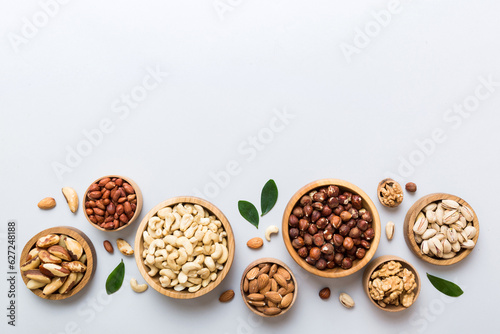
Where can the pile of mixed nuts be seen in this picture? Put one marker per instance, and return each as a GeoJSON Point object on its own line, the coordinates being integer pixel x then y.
{"type": "Point", "coordinates": [269, 288]}
{"type": "Point", "coordinates": [330, 229]}
{"type": "Point", "coordinates": [56, 263]}
{"type": "Point", "coordinates": [110, 203]}
{"type": "Point", "coordinates": [443, 228]}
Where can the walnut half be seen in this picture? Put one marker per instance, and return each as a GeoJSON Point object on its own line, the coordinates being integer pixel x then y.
{"type": "Point", "coordinates": [390, 193]}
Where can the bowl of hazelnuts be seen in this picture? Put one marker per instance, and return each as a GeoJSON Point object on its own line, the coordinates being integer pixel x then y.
{"type": "Point", "coordinates": [331, 228]}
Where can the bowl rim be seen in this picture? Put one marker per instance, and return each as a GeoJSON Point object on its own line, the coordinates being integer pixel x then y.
{"type": "Point", "coordinates": [335, 272]}
{"type": "Point", "coordinates": [374, 265]}
{"type": "Point", "coordinates": [256, 263]}
{"type": "Point", "coordinates": [88, 247]}
{"type": "Point", "coordinates": [138, 246]}
{"type": "Point", "coordinates": [409, 222]}
{"type": "Point", "coordinates": [138, 208]}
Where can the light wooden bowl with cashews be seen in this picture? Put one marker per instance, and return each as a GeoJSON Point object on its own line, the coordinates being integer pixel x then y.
{"type": "Point", "coordinates": [161, 250]}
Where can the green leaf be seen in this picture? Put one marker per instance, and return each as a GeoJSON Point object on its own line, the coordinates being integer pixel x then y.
{"type": "Point", "coordinates": [249, 212]}
{"type": "Point", "coordinates": [115, 279]}
{"type": "Point", "coordinates": [268, 197]}
{"type": "Point", "coordinates": [446, 287]}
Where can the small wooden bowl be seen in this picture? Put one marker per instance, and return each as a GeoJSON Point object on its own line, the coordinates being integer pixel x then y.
{"type": "Point", "coordinates": [154, 282]}
{"type": "Point", "coordinates": [88, 248]}
{"type": "Point", "coordinates": [411, 215]}
{"type": "Point", "coordinates": [138, 208]}
{"type": "Point", "coordinates": [379, 194]}
{"type": "Point", "coordinates": [272, 261]}
{"type": "Point", "coordinates": [368, 205]}
{"type": "Point", "coordinates": [372, 266]}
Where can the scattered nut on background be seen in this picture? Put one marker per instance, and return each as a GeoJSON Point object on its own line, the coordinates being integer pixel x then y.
{"type": "Point", "coordinates": [389, 230]}
{"type": "Point", "coordinates": [255, 243]}
{"type": "Point", "coordinates": [108, 246]}
{"type": "Point", "coordinates": [346, 300]}
{"type": "Point", "coordinates": [411, 187]}
{"type": "Point", "coordinates": [273, 229]}
{"type": "Point", "coordinates": [71, 197]}
{"type": "Point", "coordinates": [391, 284]}
{"type": "Point", "coordinates": [324, 293]}
{"type": "Point", "coordinates": [390, 193]}
{"type": "Point", "coordinates": [226, 296]}
{"type": "Point", "coordinates": [47, 203]}
{"type": "Point", "coordinates": [137, 287]}
{"type": "Point", "coordinates": [124, 247]}
{"type": "Point", "coordinates": [444, 228]}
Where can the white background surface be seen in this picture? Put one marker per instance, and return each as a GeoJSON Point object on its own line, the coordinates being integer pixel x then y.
{"type": "Point", "coordinates": [352, 120]}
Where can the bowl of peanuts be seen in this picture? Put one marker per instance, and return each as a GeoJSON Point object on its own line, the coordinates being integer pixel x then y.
{"type": "Point", "coordinates": [184, 247]}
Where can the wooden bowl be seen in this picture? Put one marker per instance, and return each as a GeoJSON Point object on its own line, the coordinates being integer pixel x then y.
{"type": "Point", "coordinates": [372, 266]}
{"type": "Point", "coordinates": [272, 261]}
{"type": "Point", "coordinates": [88, 248]}
{"type": "Point", "coordinates": [368, 205]}
{"type": "Point", "coordinates": [154, 282]}
{"type": "Point", "coordinates": [411, 215]}
{"type": "Point", "coordinates": [137, 210]}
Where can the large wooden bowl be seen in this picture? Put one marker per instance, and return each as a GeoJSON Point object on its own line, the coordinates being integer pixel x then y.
{"type": "Point", "coordinates": [138, 208]}
{"type": "Point", "coordinates": [154, 282]}
{"type": "Point", "coordinates": [367, 204]}
{"type": "Point", "coordinates": [88, 248]}
{"type": "Point", "coordinates": [409, 222]}
{"type": "Point", "coordinates": [272, 261]}
{"type": "Point", "coordinates": [377, 262]}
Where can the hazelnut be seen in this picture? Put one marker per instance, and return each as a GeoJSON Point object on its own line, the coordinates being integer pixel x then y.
{"type": "Point", "coordinates": [293, 221]}
{"type": "Point", "coordinates": [351, 252]}
{"type": "Point", "coordinates": [357, 241]}
{"type": "Point", "coordinates": [303, 224]}
{"type": "Point", "coordinates": [348, 195]}
{"type": "Point", "coordinates": [357, 202]}
{"type": "Point", "coordinates": [343, 200]}
{"type": "Point", "coordinates": [346, 263]}
{"type": "Point", "coordinates": [338, 210]}
{"type": "Point", "coordinates": [320, 196]}
{"type": "Point", "coordinates": [328, 235]}
{"type": "Point", "coordinates": [318, 239]}
{"type": "Point", "coordinates": [313, 229]}
{"type": "Point", "coordinates": [338, 240]}
{"type": "Point", "coordinates": [332, 202]}
{"type": "Point", "coordinates": [330, 264]}
{"type": "Point", "coordinates": [327, 249]}
{"type": "Point", "coordinates": [355, 233]}
{"type": "Point", "coordinates": [338, 258]}
{"type": "Point", "coordinates": [365, 244]}
{"type": "Point", "coordinates": [308, 209]}
{"type": "Point", "coordinates": [294, 233]}
{"type": "Point", "coordinates": [360, 253]}
{"type": "Point", "coordinates": [362, 225]}
{"type": "Point", "coordinates": [367, 216]}
{"type": "Point", "coordinates": [354, 213]}
{"type": "Point", "coordinates": [298, 211]}
{"type": "Point", "coordinates": [324, 293]}
{"type": "Point", "coordinates": [298, 243]}
{"type": "Point", "coordinates": [336, 221]}
{"type": "Point", "coordinates": [318, 206]}
{"type": "Point", "coordinates": [305, 200]}
{"type": "Point", "coordinates": [326, 211]}
{"type": "Point", "coordinates": [348, 207]}
{"type": "Point", "coordinates": [348, 243]}
{"type": "Point", "coordinates": [345, 216]}
{"type": "Point", "coordinates": [351, 223]}
{"type": "Point", "coordinates": [411, 187]}
{"type": "Point", "coordinates": [322, 222]}
{"type": "Point", "coordinates": [332, 191]}
{"type": "Point", "coordinates": [303, 252]}
{"type": "Point", "coordinates": [310, 261]}
{"type": "Point", "coordinates": [321, 264]}
{"type": "Point", "coordinates": [315, 216]}
{"type": "Point", "coordinates": [328, 257]}
{"type": "Point", "coordinates": [308, 239]}
{"type": "Point", "coordinates": [369, 234]}
{"type": "Point", "coordinates": [315, 253]}
{"type": "Point", "coordinates": [344, 230]}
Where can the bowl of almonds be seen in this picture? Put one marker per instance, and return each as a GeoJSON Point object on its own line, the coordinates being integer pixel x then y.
{"type": "Point", "coordinates": [112, 203]}
{"type": "Point", "coordinates": [58, 262]}
{"type": "Point", "coordinates": [268, 287]}
{"type": "Point", "coordinates": [391, 283]}
{"type": "Point", "coordinates": [441, 229]}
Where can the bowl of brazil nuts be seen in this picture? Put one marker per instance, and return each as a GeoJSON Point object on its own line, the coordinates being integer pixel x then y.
{"type": "Point", "coordinates": [268, 287]}
{"type": "Point", "coordinates": [112, 203]}
{"type": "Point", "coordinates": [391, 283]}
{"type": "Point", "coordinates": [441, 229]}
{"type": "Point", "coordinates": [184, 247]}
{"type": "Point", "coordinates": [331, 228]}
{"type": "Point", "coordinates": [58, 262]}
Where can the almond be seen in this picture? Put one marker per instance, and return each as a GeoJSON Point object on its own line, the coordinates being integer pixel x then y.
{"type": "Point", "coordinates": [280, 280]}
{"type": "Point", "coordinates": [287, 300]}
{"type": "Point", "coordinates": [245, 285]}
{"type": "Point", "coordinates": [47, 203]}
{"type": "Point", "coordinates": [273, 270]}
{"type": "Point", "coordinates": [256, 303]}
{"type": "Point", "coordinates": [253, 286]}
{"type": "Point", "coordinates": [283, 272]}
{"type": "Point", "coordinates": [226, 296]}
{"type": "Point", "coordinates": [263, 281]}
{"type": "Point", "coordinates": [256, 297]}
{"type": "Point", "coordinates": [252, 273]}
{"type": "Point", "coordinates": [255, 243]}
{"type": "Point", "coordinates": [274, 285]}
{"type": "Point", "coordinates": [272, 310]}
{"type": "Point", "coordinates": [273, 296]}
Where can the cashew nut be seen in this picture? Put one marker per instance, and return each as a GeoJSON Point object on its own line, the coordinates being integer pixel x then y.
{"type": "Point", "coordinates": [182, 256]}
{"type": "Point", "coordinates": [209, 262]}
{"type": "Point", "coordinates": [224, 256]}
{"type": "Point", "coordinates": [218, 252]}
{"type": "Point", "coordinates": [184, 242]}
{"type": "Point", "coordinates": [271, 230]}
{"type": "Point", "coordinates": [186, 221]}
{"type": "Point", "coordinates": [138, 287]}
{"type": "Point", "coordinates": [152, 269]}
